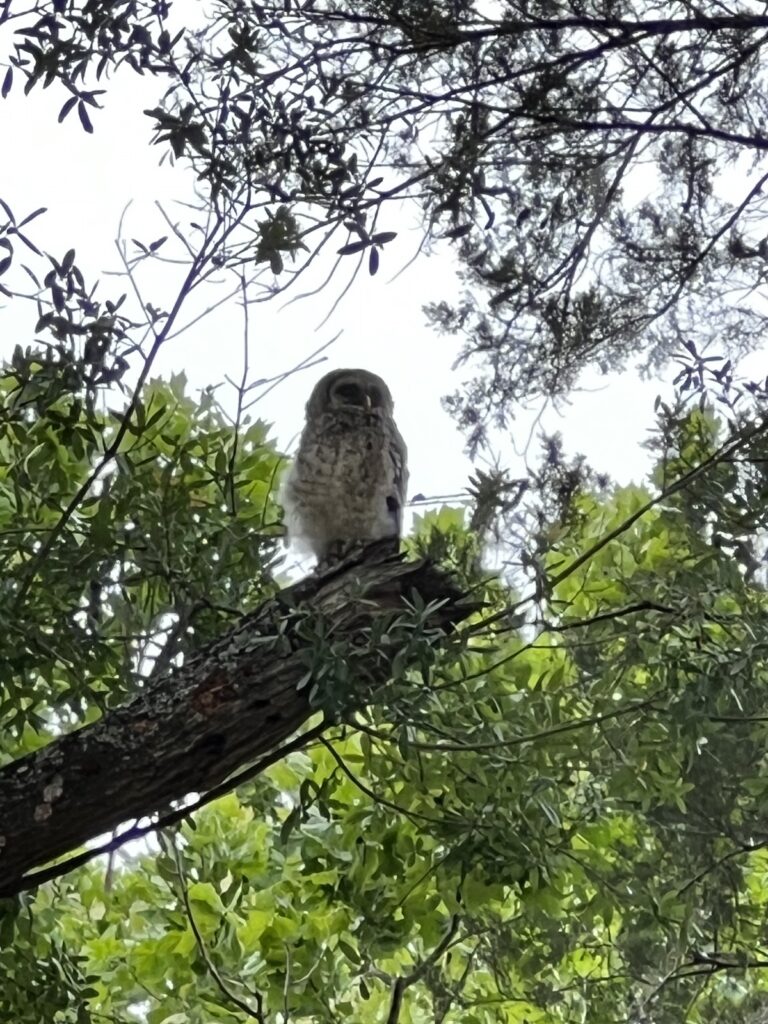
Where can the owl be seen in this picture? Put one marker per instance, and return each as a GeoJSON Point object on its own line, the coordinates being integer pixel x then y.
{"type": "Point", "coordinates": [347, 483]}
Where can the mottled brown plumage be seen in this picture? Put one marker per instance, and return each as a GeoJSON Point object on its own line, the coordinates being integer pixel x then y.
{"type": "Point", "coordinates": [347, 483]}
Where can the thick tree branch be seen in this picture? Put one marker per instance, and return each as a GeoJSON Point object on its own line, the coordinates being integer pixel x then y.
{"type": "Point", "coordinates": [231, 703]}
{"type": "Point", "coordinates": [177, 814]}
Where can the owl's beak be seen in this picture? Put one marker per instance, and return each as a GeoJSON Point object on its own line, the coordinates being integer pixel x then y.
{"type": "Point", "coordinates": [367, 400]}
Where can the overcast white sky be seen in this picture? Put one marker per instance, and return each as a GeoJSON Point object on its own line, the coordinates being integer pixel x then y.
{"type": "Point", "coordinates": [86, 181]}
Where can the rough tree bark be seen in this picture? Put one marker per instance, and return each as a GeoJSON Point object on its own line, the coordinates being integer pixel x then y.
{"type": "Point", "coordinates": [229, 704]}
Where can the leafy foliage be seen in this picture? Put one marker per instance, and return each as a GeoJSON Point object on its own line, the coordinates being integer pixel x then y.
{"type": "Point", "coordinates": [556, 818]}
{"type": "Point", "coordinates": [581, 161]}
{"type": "Point", "coordinates": [175, 534]}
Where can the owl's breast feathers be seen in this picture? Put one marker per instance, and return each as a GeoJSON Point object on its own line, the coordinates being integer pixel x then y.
{"type": "Point", "coordinates": [348, 481]}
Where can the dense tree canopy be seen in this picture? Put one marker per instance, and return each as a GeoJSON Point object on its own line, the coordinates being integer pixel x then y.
{"type": "Point", "coordinates": [551, 814]}
{"type": "Point", "coordinates": [599, 167]}
{"type": "Point", "coordinates": [556, 820]}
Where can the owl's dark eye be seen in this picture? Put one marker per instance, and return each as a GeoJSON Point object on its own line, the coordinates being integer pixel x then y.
{"type": "Point", "coordinates": [377, 399]}
{"type": "Point", "coordinates": [350, 394]}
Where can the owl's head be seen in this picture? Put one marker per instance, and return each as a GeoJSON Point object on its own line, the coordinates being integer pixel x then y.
{"type": "Point", "coordinates": [350, 389]}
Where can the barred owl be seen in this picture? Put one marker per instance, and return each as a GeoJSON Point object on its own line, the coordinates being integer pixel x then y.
{"type": "Point", "coordinates": [348, 480]}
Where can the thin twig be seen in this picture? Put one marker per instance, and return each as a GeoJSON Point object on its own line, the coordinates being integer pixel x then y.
{"type": "Point", "coordinates": [240, 397]}
{"type": "Point", "coordinates": [304, 364]}
{"type": "Point", "coordinates": [369, 792]}
{"type": "Point", "coordinates": [404, 981]}
{"type": "Point", "coordinates": [256, 1013]}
